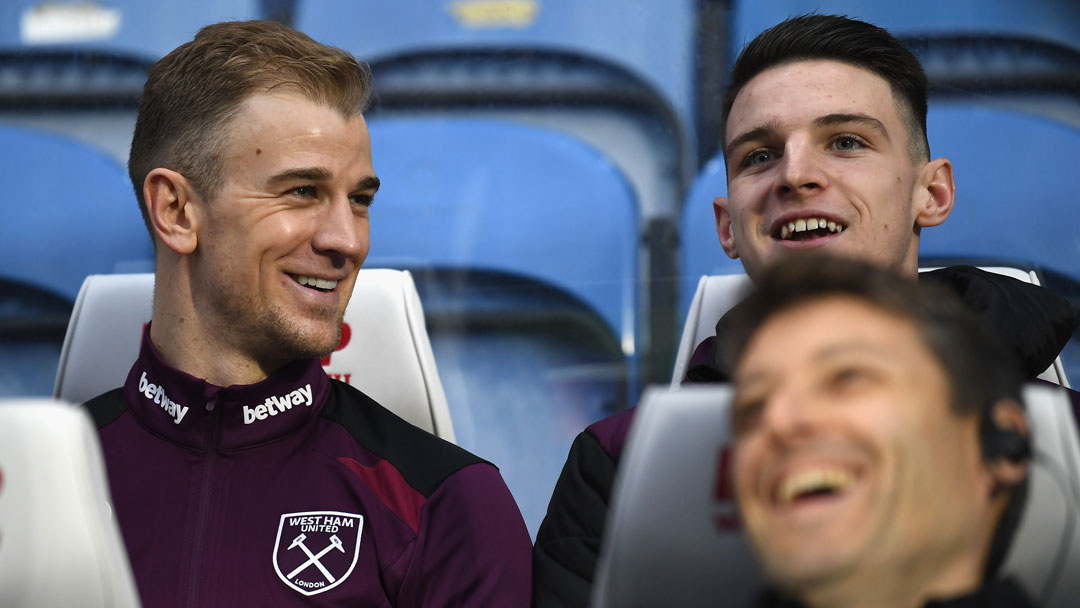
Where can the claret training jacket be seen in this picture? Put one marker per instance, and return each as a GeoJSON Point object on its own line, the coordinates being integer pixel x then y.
{"type": "Point", "coordinates": [300, 490]}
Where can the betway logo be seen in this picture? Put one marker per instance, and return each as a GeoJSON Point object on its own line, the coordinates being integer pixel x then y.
{"type": "Point", "coordinates": [156, 393]}
{"type": "Point", "coordinates": [275, 405]}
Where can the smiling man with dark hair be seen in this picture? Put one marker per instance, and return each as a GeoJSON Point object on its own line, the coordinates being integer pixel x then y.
{"type": "Point", "coordinates": [880, 447]}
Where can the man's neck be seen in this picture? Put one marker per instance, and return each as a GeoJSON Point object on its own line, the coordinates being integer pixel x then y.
{"type": "Point", "coordinates": [184, 341]}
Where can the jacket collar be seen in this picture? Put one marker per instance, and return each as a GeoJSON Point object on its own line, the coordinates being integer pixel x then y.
{"type": "Point", "coordinates": [193, 412]}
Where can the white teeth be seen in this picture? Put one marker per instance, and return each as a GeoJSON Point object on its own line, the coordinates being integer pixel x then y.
{"type": "Point", "coordinates": [812, 480]}
{"type": "Point", "coordinates": [315, 282]}
{"type": "Point", "coordinates": [814, 223]}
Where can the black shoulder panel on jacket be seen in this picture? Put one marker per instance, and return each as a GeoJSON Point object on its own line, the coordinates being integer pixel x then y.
{"type": "Point", "coordinates": [106, 407]}
{"type": "Point", "coordinates": [423, 459]}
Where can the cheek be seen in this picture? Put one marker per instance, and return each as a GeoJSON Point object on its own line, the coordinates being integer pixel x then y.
{"type": "Point", "coordinates": [743, 467]}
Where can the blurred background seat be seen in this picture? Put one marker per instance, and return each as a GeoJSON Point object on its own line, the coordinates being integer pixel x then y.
{"type": "Point", "coordinates": [523, 241]}
{"type": "Point", "coordinates": [77, 67]}
{"type": "Point", "coordinates": [59, 543]}
{"type": "Point", "coordinates": [55, 231]}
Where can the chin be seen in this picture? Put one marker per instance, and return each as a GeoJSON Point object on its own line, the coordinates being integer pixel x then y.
{"type": "Point", "coordinates": [804, 571]}
{"type": "Point", "coordinates": [303, 338]}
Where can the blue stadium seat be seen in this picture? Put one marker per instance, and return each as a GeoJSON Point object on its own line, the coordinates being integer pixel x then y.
{"type": "Point", "coordinates": [1055, 21]}
{"type": "Point", "coordinates": [145, 31]}
{"type": "Point", "coordinates": [69, 211]}
{"type": "Point", "coordinates": [654, 41]}
{"type": "Point", "coordinates": [507, 197]}
{"type": "Point", "coordinates": [522, 241]}
{"type": "Point", "coordinates": [94, 53]}
{"type": "Point", "coordinates": [699, 245]}
{"type": "Point", "coordinates": [1015, 196]}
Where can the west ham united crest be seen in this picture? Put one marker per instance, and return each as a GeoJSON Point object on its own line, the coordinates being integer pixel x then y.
{"type": "Point", "coordinates": [316, 550]}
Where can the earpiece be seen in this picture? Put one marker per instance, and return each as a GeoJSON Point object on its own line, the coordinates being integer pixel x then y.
{"type": "Point", "coordinates": [1009, 444]}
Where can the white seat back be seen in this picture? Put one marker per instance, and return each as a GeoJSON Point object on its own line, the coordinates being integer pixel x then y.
{"type": "Point", "coordinates": [716, 294]}
{"type": "Point", "coordinates": [673, 535]}
{"type": "Point", "coordinates": [384, 351]}
{"type": "Point", "coordinates": [1045, 554]}
{"type": "Point", "coordinates": [59, 544]}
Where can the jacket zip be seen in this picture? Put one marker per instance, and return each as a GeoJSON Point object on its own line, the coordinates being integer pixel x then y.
{"type": "Point", "coordinates": [212, 440]}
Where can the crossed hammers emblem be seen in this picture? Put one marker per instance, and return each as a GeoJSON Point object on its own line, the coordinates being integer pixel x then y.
{"type": "Point", "coordinates": [313, 558]}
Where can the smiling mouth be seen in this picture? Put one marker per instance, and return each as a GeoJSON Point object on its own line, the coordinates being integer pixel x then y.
{"type": "Point", "coordinates": [804, 229]}
{"type": "Point", "coordinates": [323, 285]}
{"type": "Point", "coordinates": [811, 484]}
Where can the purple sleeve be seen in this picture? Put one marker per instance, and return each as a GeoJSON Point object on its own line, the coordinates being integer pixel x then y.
{"type": "Point", "coordinates": [472, 548]}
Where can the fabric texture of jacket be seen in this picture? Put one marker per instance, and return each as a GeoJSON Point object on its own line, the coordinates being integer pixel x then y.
{"type": "Point", "coordinates": [1034, 323]}
{"type": "Point", "coordinates": [300, 490]}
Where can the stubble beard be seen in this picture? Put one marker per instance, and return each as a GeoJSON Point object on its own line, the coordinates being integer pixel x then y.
{"type": "Point", "coordinates": [270, 334]}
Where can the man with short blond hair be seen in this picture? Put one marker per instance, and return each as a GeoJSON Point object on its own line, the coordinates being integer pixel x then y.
{"type": "Point", "coordinates": [241, 475]}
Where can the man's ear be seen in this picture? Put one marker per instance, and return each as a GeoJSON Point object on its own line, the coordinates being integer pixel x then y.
{"type": "Point", "coordinates": [174, 209]}
{"type": "Point", "coordinates": [1008, 470]}
{"type": "Point", "coordinates": [723, 227]}
{"type": "Point", "coordinates": [936, 193]}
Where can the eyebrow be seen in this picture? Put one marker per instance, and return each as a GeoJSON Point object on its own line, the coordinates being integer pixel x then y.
{"type": "Point", "coordinates": [829, 120]}
{"type": "Point", "coordinates": [312, 174]}
{"type": "Point", "coordinates": [762, 132]}
{"type": "Point", "coordinates": [369, 182]}
{"type": "Point", "coordinates": [319, 174]}
{"type": "Point", "coordinates": [832, 120]}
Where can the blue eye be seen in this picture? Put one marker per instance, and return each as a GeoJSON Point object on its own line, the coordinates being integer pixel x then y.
{"type": "Point", "coordinates": [847, 143]}
{"type": "Point", "coordinates": [303, 191]}
{"type": "Point", "coordinates": [757, 157]}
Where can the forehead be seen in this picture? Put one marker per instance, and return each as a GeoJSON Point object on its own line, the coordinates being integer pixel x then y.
{"type": "Point", "coordinates": [800, 337]}
{"type": "Point", "coordinates": [275, 115]}
{"type": "Point", "coordinates": [276, 131]}
{"type": "Point", "coordinates": [794, 94]}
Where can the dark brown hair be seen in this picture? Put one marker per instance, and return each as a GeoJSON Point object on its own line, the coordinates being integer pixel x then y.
{"type": "Point", "coordinates": [849, 41]}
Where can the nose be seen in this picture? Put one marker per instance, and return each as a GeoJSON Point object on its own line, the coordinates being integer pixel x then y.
{"type": "Point", "coordinates": [787, 416]}
{"type": "Point", "coordinates": [341, 233]}
{"type": "Point", "coordinates": [801, 171]}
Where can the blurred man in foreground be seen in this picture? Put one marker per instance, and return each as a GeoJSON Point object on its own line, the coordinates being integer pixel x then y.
{"type": "Point", "coordinates": [241, 474]}
{"type": "Point", "coordinates": [880, 446]}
